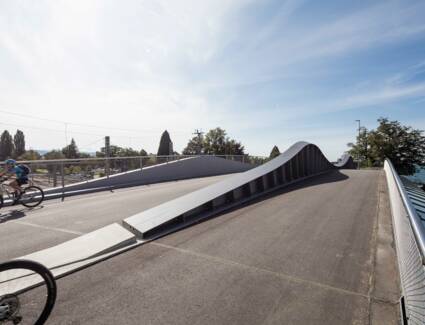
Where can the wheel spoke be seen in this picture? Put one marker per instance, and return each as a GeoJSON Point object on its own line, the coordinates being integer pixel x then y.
{"type": "Point", "coordinates": [27, 292]}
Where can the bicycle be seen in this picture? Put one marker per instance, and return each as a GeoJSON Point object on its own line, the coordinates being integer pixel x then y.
{"type": "Point", "coordinates": [30, 197]}
{"type": "Point", "coordinates": [27, 293]}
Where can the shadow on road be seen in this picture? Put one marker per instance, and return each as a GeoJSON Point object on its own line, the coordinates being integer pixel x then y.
{"type": "Point", "coordinates": [15, 214]}
{"type": "Point", "coordinates": [328, 177]}
{"type": "Point", "coordinates": [12, 215]}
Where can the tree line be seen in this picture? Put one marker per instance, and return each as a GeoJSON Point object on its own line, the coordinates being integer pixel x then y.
{"type": "Point", "coordinates": [12, 147]}
{"type": "Point", "coordinates": [215, 142]}
{"type": "Point", "coordinates": [403, 145]}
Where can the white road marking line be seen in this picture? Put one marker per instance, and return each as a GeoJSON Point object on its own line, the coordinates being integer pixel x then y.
{"type": "Point", "coordinates": [48, 228]}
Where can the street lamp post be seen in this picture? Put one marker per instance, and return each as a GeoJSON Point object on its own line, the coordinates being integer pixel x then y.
{"type": "Point", "coordinates": [358, 147]}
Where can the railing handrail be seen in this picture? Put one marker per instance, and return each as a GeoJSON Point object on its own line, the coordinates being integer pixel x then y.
{"type": "Point", "coordinates": [73, 160]}
{"type": "Point", "coordinates": [415, 220]}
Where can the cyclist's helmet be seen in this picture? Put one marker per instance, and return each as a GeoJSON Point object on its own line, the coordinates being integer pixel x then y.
{"type": "Point", "coordinates": [11, 162]}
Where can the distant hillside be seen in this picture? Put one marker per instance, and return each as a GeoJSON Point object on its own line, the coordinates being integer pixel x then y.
{"type": "Point", "coordinates": [43, 152]}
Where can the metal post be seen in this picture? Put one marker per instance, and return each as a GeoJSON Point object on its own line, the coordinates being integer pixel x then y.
{"type": "Point", "coordinates": [63, 180]}
{"type": "Point", "coordinates": [107, 155]}
{"type": "Point", "coordinates": [55, 176]}
{"type": "Point", "coordinates": [141, 163]}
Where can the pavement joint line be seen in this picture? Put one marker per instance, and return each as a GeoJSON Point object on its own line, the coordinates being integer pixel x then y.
{"type": "Point", "coordinates": [374, 250]}
{"type": "Point", "coordinates": [255, 268]}
{"type": "Point", "coordinates": [25, 223]}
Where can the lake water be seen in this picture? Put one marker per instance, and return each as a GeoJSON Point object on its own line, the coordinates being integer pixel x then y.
{"type": "Point", "coordinates": [419, 177]}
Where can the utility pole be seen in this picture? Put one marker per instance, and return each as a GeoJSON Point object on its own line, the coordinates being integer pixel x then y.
{"type": "Point", "coordinates": [199, 133]}
{"type": "Point", "coordinates": [358, 147]}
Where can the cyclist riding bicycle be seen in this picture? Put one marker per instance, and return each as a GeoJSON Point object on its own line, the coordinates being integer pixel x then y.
{"type": "Point", "coordinates": [18, 174]}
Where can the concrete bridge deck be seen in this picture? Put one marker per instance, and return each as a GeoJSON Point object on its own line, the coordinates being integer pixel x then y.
{"type": "Point", "coordinates": [25, 231]}
{"type": "Point", "coordinates": [320, 252]}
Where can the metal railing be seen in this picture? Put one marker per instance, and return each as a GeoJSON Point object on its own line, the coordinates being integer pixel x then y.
{"type": "Point", "coordinates": [62, 172]}
{"type": "Point", "coordinates": [410, 243]}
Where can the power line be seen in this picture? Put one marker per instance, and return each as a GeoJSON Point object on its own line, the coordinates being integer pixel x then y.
{"type": "Point", "coordinates": [69, 131]}
{"type": "Point", "coordinates": [87, 146]}
{"type": "Point", "coordinates": [79, 124]}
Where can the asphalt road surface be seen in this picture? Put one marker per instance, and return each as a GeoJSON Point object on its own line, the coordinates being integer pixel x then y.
{"type": "Point", "coordinates": [303, 256]}
{"type": "Point", "coordinates": [24, 231]}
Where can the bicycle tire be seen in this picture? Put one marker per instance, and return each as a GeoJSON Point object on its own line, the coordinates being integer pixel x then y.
{"type": "Point", "coordinates": [1, 202]}
{"type": "Point", "coordinates": [31, 205]}
{"type": "Point", "coordinates": [48, 278]}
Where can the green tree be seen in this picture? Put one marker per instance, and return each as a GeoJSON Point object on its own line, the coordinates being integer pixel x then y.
{"type": "Point", "coordinates": [215, 142]}
{"type": "Point", "coordinates": [195, 146]}
{"type": "Point", "coordinates": [116, 151]}
{"type": "Point", "coordinates": [360, 149]}
{"type": "Point", "coordinates": [85, 155]}
{"type": "Point", "coordinates": [6, 145]}
{"type": "Point", "coordinates": [19, 142]}
{"type": "Point", "coordinates": [30, 155]}
{"type": "Point", "coordinates": [275, 152]}
{"type": "Point", "coordinates": [129, 152]}
{"type": "Point", "coordinates": [123, 164]}
{"type": "Point", "coordinates": [403, 145]}
{"type": "Point", "coordinates": [165, 145]}
{"type": "Point", "coordinates": [232, 147]}
{"type": "Point", "coordinates": [71, 150]}
{"type": "Point", "coordinates": [54, 154]}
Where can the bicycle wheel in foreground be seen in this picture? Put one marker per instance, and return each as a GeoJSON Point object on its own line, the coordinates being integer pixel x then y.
{"type": "Point", "coordinates": [27, 293]}
{"type": "Point", "coordinates": [32, 196]}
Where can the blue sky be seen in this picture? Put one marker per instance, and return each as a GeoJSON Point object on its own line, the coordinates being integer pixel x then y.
{"type": "Point", "coordinates": [269, 72]}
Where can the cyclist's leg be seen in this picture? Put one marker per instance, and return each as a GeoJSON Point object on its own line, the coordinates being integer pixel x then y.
{"type": "Point", "coordinates": [16, 185]}
{"type": "Point", "coordinates": [21, 181]}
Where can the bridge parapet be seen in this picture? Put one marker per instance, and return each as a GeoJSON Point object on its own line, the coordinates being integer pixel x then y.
{"type": "Point", "coordinates": [408, 211]}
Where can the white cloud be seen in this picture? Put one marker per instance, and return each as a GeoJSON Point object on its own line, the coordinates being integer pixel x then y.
{"type": "Point", "coordinates": [152, 65]}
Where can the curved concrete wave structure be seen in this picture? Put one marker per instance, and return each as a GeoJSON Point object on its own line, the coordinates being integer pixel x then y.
{"type": "Point", "coordinates": [192, 167]}
{"type": "Point", "coordinates": [346, 162]}
{"type": "Point", "coordinates": [299, 162]}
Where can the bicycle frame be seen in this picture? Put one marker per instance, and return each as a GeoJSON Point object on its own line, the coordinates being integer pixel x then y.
{"type": "Point", "coordinates": [4, 189]}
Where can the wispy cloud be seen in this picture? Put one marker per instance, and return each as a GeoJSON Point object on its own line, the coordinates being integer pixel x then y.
{"type": "Point", "coordinates": [385, 95]}
{"type": "Point", "coordinates": [269, 58]}
{"type": "Point", "coordinates": [241, 64]}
